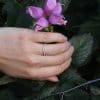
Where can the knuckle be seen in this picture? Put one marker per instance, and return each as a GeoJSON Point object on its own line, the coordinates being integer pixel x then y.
{"type": "Point", "coordinates": [30, 73]}
{"type": "Point", "coordinates": [58, 70]}
{"type": "Point", "coordinates": [65, 65]}
{"type": "Point", "coordinates": [64, 47]}
{"type": "Point", "coordinates": [45, 36]}
{"type": "Point", "coordinates": [61, 59]}
{"type": "Point", "coordinates": [71, 51]}
{"type": "Point", "coordinates": [33, 62]}
{"type": "Point", "coordinates": [23, 35]}
{"type": "Point", "coordinates": [61, 37]}
{"type": "Point", "coordinates": [68, 45]}
{"type": "Point", "coordinates": [68, 63]}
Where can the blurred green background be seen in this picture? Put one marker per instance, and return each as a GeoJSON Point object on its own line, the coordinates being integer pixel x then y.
{"type": "Point", "coordinates": [83, 31]}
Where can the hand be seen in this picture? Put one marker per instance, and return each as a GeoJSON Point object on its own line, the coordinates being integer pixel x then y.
{"type": "Point", "coordinates": [21, 54]}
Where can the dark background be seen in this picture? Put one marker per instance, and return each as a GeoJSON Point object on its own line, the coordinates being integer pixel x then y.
{"type": "Point", "coordinates": [83, 18]}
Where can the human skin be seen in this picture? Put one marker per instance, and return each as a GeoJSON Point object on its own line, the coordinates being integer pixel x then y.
{"type": "Point", "coordinates": [21, 54]}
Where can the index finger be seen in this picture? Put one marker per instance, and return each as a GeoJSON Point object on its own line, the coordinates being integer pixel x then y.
{"type": "Point", "coordinates": [47, 37]}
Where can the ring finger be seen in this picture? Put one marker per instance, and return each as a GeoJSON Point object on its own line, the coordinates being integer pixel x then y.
{"type": "Point", "coordinates": [52, 60]}
{"type": "Point", "coordinates": [51, 49]}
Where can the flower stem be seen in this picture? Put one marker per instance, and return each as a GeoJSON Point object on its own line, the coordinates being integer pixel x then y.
{"type": "Point", "coordinates": [49, 29]}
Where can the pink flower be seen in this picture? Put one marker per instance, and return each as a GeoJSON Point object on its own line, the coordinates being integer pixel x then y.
{"type": "Point", "coordinates": [50, 14]}
{"type": "Point", "coordinates": [41, 23]}
{"type": "Point", "coordinates": [49, 5]}
{"type": "Point", "coordinates": [35, 12]}
{"type": "Point", "coordinates": [57, 19]}
{"type": "Point", "coordinates": [58, 9]}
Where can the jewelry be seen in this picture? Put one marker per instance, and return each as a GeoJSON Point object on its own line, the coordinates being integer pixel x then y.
{"type": "Point", "coordinates": [43, 50]}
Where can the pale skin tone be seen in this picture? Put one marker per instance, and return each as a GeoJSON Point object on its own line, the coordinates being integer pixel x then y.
{"type": "Point", "coordinates": [21, 54]}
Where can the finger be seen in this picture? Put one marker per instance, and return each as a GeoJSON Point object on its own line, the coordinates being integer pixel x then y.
{"type": "Point", "coordinates": [48, 71]}
{"type": "Point", "coordinates": [56, 49]}
{"type": "Point", "coordinates": [52, 60]}
{"type": "Point", "coordinates": [46, 37]}
{"type": "Point", "coordinates": [51, 49]}
{"type": "Point", "coordinates": [53, 79]}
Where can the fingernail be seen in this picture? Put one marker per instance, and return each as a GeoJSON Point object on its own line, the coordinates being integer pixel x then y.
{"type": "Point", "coordinates": [53, 79]}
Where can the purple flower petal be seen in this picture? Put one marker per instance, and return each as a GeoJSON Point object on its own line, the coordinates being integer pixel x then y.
{"type": "Point", "coordinates": [57, 20]}
{"type": "Point", "coordinates": [58, 9]}
{"type": "Point", "coordinates": [41, 24]}
{"type": "Point", "coordinates": [35, 12]}
{"type": "Point", "coordinates": [49, 5]}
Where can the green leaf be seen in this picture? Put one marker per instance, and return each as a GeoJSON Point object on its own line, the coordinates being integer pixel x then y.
{"type": "Point", "coordinates": [5, 80]}
{"type": "Point", "coordinates": [96, 97]}
{"type": "Point", "coordinates": [66, 85]}
{"type": "Point", "coordinates": [47, 89]}
{"type": "Point", "coordinates": [76, 95]}
{"type": "Point", "coordinates": [50, 98]}
{"type": "Point", "coordinates": [16, 15]}
{"type": "Point", "coordinates": [11, 7]}
{"type": "Point", "coordinates": [23, 19]}
{"type": "Point", "coordinates": [71, 76]}
{"type": "Point", "coordinates": [7, 95]}
{"type": "Point", "coordinates": [92, 26]}
{"type": "Point", "coordinates": [95, 90]}
{"type": "Point", "coordinates": [39, 2]}
{"type": "Point", "coordinates": [12, 12]}
{"type": "Point", "coordinates": [83, 48]}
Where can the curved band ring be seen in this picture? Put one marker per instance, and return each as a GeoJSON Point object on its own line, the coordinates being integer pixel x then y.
{"type": "Point", "coordinates": [43, 50]}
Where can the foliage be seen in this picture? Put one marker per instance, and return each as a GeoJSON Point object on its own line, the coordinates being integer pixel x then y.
{"type": "Point", "coordinates": [83, 31]}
